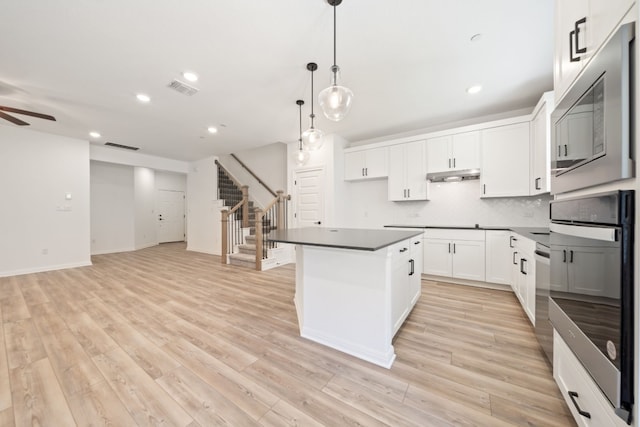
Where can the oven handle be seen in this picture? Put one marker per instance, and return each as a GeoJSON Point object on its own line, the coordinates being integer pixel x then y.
{"type": "Point", "coordinates": [607, 234]}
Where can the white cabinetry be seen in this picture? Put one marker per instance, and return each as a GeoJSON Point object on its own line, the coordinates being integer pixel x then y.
{"type": "Point", "coordinates": [407, 172]}
{"type": "Point", "coordinates": [581, 28]}
{"type": "Point", "coordinates": [455, 253]}
{"type": "Point", "coordinates": [365, 164]}
{"type": "Point", "coordinates": [524, 274]}
{"type": "Point", "coordinates": [405, 283]}
{"type": "Point", "coordinates": [505, 161]}
{"type": "Point", "coordinates": [498, 256]}
{"type": "Point", "coordinates": [453, 152]}
{"type": "Point", "coordinates": [540, 145]}
{"type": "Point", "coordinates": [574, 381]}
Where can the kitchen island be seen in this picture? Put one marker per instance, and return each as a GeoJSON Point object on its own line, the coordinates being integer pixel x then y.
{"type": "Point", "coordinates": [355, 287]}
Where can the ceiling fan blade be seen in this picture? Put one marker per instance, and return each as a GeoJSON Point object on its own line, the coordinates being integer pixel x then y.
{"type": "Point", "coordinates": [27, 113]}
{"type": "Point", "coordinates": [13, 119]}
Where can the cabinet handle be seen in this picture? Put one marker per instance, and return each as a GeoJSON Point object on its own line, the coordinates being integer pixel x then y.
{"type": "Point", "coordinates": [362, 172]}
{"type": "Point", "coordinates": [403, 250]}
{"type": "Point", "coordinates": [577, 29]}
{"type": "Point", "coordinates": [564, 255]}
{"type": "Point", "coordinates": [538, 184]}
{"type": "Point", "coordinates": [523, 262]}
{"type": "Point", "coordinates": [404, 193]}
{"type": "Point", "coordinates": [449, 247]}
{"type": "Point", "coordinates": [449, 163]}
{"type": "Point", "coordinates": [454, 162]}
{"type": "Point", "coordinates": [366, 171]}
{"type": "Point", "coordinates": [417, 242]}
{"type": "Point", "coordinates": [565, 150]}
{"type": "Point", "coordinates": [573, 395]}
{"type": "Point", "coordinates": [575, 34]}
{"type": "Point", "coordinates": [484, 188]}
{"type": "Point", "coordinates": [408, 193]}
{"type": "Point", "coordinates": [514, 258]}
{"type": "Point", "coordinates": [454, 248]}
{"type": "Point", "coordinates": [559, 151]}
{"type": "Point", "coordinates": [511, 240]}
{"type": "Point", "coordinates": [570, 256]}
{"type": "Point", "coordinates": [411, 271]}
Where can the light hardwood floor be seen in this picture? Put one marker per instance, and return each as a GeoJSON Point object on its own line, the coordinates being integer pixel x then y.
{"type": "Point", "coordinates": [170, 337]}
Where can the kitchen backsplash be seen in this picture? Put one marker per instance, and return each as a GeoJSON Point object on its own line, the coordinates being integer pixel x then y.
{"type": "Point", "coordinates": [454, 204]}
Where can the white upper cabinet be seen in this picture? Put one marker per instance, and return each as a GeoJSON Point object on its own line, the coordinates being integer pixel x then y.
{"type": "Point", "coordinates": [407, 172]}
{"type": "Point", "coordinates": [540, 145]}
{"type": "Point", "coordinates": [581, 28]}
{"type": "Point", "coordinates": [365, 164]}
{"type": "Point", "coordinates": [453, 152]}
{"type": "Point", "coordinates": [505, 161]}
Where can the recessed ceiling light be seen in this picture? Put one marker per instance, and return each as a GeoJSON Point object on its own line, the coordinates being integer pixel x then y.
{"type": "Point", "coordinates": [94, 134]}
{"type": "Point", "coordinates": [474, 89]}
{"type": "Point", "coordinates": [143, 98]}
{"type": "Point", "coordinates": [212, 129]}
{"type": "Point", "coordinates": [192, 77]}
{"type": "Point", "coordinates": [476, 37]}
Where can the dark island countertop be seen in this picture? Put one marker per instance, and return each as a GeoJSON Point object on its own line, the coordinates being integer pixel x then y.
{"type": "Point", "coordinates": [342, 238]}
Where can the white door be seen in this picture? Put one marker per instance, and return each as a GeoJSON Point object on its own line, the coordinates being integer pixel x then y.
{"type": "Point", "coordinates": [309, 198]}
{"type": "Point", "coordinates": [170, 211]}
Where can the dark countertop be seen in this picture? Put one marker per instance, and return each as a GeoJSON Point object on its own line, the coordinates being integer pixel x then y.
{"type": "Point", "coordinates": [343, 238]}
{"type": "Point", "coordinates": [537, 234]}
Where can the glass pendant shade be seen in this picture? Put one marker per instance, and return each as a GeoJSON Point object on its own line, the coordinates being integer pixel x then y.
{"type": "Point", "coordinates": [312, 138]}
{"type": "Point", "coordinates": [335, 100]}
{"type": "Point", "coordinates": [301, 156]}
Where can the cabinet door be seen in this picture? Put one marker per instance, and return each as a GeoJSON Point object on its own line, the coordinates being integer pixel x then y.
{"type": "Point", "coordinates": [354, 164]}
{"type": "Point", "coordinates": [515, 271]}
{"type": "Point", "coordinates": [376, 163]}
{"type": "Point", "coordinates": [397, 176]}
{"type": "Point", "coordinates": [399, 289]}
{"type": "Point", "coordinates": [505, 161]}
{"type": "Point", "coordinates": [415, 168]}
{"type": "Point", "coordinates": [466, 150]}
{"type": "Point", "coordinates": [530, 308]}
{"type": "Point", "coordinates": [415, 280]}
{"type": "Point", "coordinates": [604, 17]}
{"type": "Point", "coordinates": [540, 152]}
{"type": "Point", "coordinates": [498, 257]}
{"type": "Point", "coordinates": [437, 257]}
{"type": "Point", "coordinates": [567, 13]}
{"type": "Point", "coordinates": [468, 260]}
{"type": "Point", "coordinates": [439, 154]}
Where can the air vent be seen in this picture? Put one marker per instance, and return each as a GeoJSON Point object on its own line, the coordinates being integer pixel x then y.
{"type": "Point", "coordinates": [183, 88]}
{"type": "Point", "coordinates": [126, 147]}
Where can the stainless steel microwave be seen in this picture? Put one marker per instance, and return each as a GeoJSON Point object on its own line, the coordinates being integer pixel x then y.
{"type": "Point", "coordinates": [591, 138]}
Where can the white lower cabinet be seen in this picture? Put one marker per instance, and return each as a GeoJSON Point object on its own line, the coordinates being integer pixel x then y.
{"type": "Point", "coordinates": [523, 278]}
{"type": "Point", "coordinates": [498, 256]}
{"type": "Point", "coordinates": [455, 253]}
{"type": "Point", "coordinates": [406, 285]}
{"type": "Point", "coordinates": [579, 390]}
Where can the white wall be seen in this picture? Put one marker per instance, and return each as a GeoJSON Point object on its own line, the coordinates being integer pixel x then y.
{"type": "Point", "coordinates": [112, 208]}
{"type": "Point", "coordinates": [171, 181]}
{"type": "Point", "coordinates": [125, 157]}
{"type": "Point", "coordinates": [203, 208]}
{"type": "Point", "coordinates": [450, 204]}
{"type": "Point", "coordinates": [42, 230]}
{"type": "Point", "coordinates": [144, 191]}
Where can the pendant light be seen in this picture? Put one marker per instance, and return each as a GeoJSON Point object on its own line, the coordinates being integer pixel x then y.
{"type": "Point", "coordinates": [335, 100]}
{"type": "Point", "coordinates": [301, 156]}
{"type": "Point", "coordinates": [312, 138]}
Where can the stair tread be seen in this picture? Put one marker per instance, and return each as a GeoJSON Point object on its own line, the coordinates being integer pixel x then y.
{"type": "Point", "coordinates": [243, 257]}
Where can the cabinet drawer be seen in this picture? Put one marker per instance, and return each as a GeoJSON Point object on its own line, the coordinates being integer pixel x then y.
{"type": "Point", "coordinates": [571, 376]}
{"type": "Point", "coordinates": [454, 234]}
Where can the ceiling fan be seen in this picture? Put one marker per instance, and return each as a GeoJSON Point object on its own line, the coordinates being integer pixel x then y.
{"type": "Point", "coordinates": [24, 112]}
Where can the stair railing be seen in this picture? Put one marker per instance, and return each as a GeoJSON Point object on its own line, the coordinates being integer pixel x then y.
{"type": "Point", "coordinates": [232, 224]}
{"type": "Point", "coordinates": [274, 216]}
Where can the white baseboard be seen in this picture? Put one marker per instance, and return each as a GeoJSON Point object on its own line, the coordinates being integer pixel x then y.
{"type": "Point", "coordinates": [112, 251]}
{"type": "Point", "coordinates": [44, 268]}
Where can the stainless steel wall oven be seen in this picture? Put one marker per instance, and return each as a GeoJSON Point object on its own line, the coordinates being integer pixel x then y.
{"type": "Point", "coordinates": [591, 288]}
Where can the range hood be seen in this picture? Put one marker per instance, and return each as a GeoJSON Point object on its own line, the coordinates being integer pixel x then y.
{"type": "Point", "coordinates": [453, 176]}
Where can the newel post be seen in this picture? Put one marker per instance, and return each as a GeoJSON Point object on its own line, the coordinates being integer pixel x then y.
{"type": "Point", "coordinates": [280, 212]}
{"type": "Point", "coordinates": [259, 238]}
{"type": "Point", "coordinates": [245, 206]}
{"type": "Point", "coordinates": [224, 234]}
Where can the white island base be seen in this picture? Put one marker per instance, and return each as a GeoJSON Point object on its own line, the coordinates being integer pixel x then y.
{"type": "Point", "coordinates": [355, 300]}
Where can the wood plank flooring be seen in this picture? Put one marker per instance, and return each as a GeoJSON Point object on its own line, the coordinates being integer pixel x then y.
{"type": "Point", "coordinates": [163, 336]}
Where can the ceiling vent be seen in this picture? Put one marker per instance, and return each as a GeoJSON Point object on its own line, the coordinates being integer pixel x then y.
{"type": "Point", "coordinates": [183, 88]}
{"type": "Point", "coordinates": [126, 147]}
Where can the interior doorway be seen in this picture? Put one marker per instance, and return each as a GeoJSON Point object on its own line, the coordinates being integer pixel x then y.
{"type": "Point", "coordinates": [309, 197]}
{"type": "Point", "coordinates": [170, 216]}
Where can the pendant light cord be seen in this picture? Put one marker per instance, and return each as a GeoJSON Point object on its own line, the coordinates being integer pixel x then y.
{"type": "Point", "coordinates": [334, 34]}
{"type": "Point", "coordinates": [312, 115]}
{"type": "Point", "coordinates": [300, 127]}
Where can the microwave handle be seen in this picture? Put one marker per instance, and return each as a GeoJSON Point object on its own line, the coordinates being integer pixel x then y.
{"type": "Point", "coordinates": [607, 234]}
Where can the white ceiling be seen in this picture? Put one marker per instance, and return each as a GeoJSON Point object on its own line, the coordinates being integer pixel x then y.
{"type": "Point", "coordinates": [408, 63]}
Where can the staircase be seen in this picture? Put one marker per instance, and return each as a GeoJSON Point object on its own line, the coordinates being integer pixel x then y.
{"type": "Point", "coordinates": [243, 254]}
